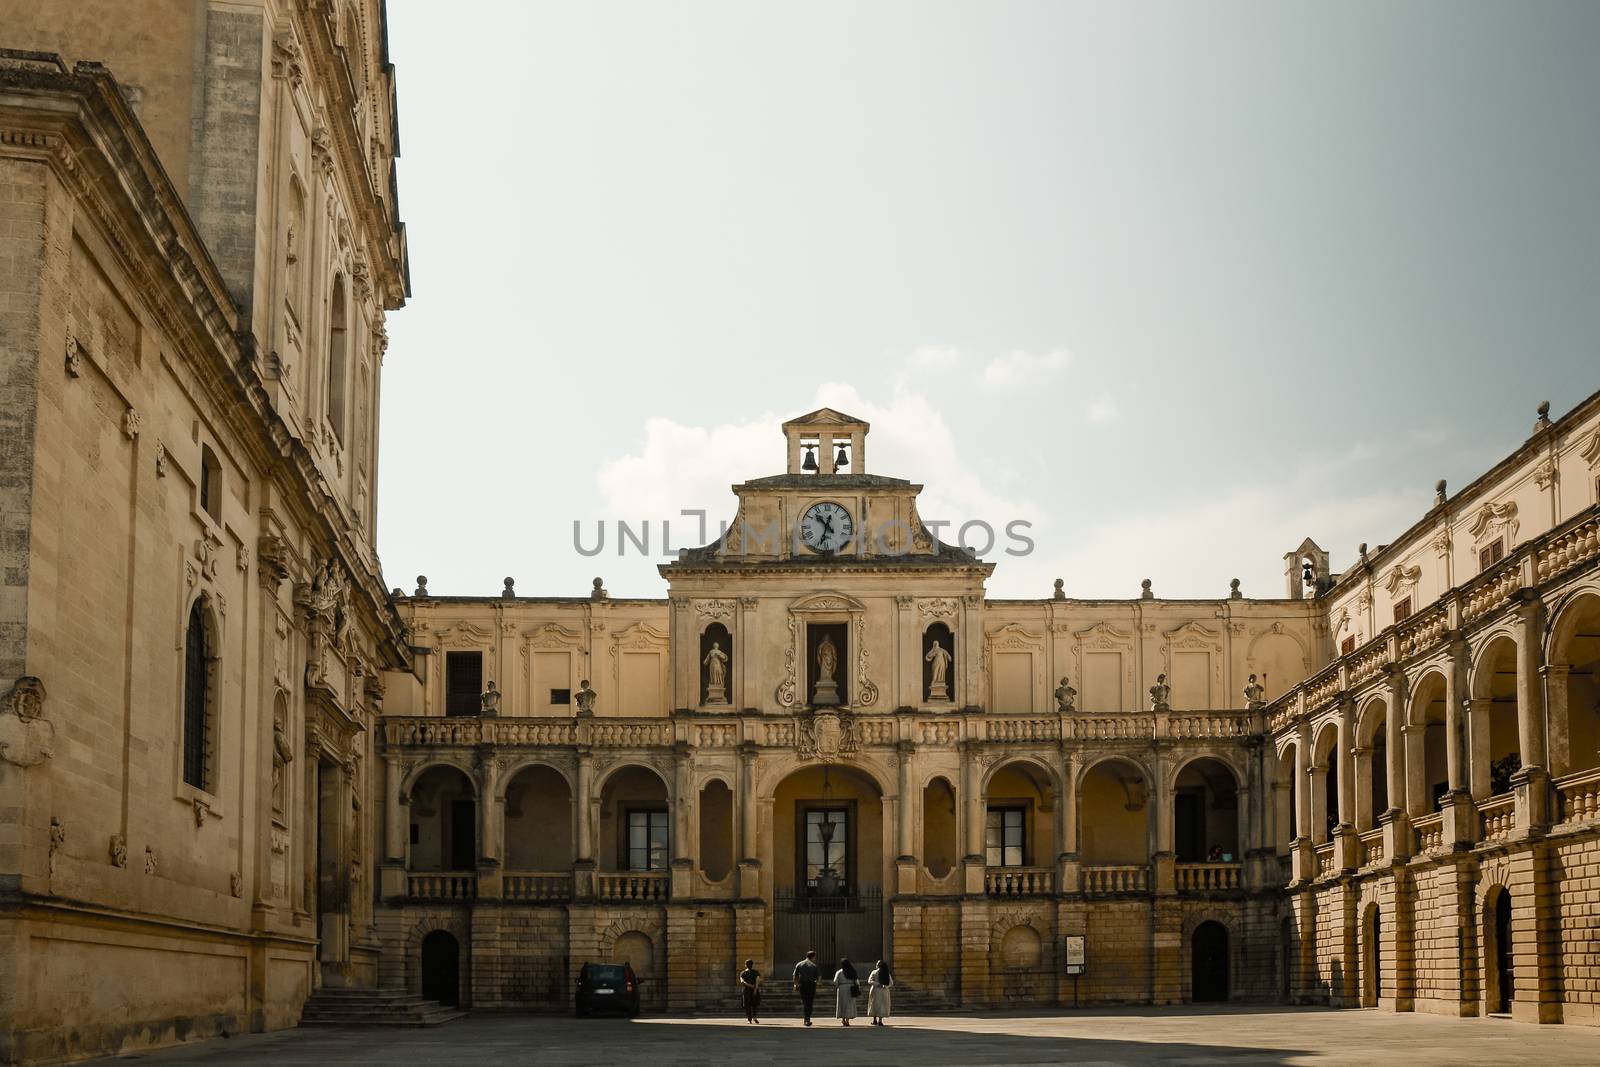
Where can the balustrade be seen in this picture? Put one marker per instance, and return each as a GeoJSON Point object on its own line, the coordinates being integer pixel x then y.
{"type": "Point", "coordinates": [1324, 854]}
{"type": "Point", "coordinates": [1209, 877]}
{"type": "Point", "coordinates": [448, 886]}
{"type": "Point", "coordinates": [1579, 796]}
{"type": "Point", "coordinates": [1372, 848]}
{"type": "Point", "coordinates": [1116, 881]}
{"type": "Point", "coordinates": [632, 887]}
{"type": "Point", "coordinates": [1430, 833]}
{"type": "Point", "coordinates": [1497, 818]}
{"type": "Point", "coordinates": [538, 886]}
{"type": "Point", "coordinates": [1019, 881]}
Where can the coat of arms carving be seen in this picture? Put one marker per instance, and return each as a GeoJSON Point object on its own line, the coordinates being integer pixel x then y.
{"type": "Point", "coordinates": [826, 734]}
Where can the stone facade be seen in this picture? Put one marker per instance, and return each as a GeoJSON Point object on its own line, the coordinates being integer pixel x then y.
{"type": "Point", "coordinates": [193, 626]}
{"type": "Point", "coordinates": [1155, 758]}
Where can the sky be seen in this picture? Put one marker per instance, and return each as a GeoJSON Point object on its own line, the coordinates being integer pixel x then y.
{"type": "Point", "coordinates": [1178, 285]}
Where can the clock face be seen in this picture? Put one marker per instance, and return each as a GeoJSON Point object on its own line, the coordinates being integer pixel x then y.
{"type": "Point", "coordinates": [826, 527]}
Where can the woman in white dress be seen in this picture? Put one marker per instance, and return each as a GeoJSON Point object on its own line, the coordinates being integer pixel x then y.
{"type": "Point", "coordinates": [878, 983]}
{"type": "Point", "coordinates": [846, 989]}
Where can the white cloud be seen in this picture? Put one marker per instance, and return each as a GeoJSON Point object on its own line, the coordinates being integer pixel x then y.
{"type": "Point", "coordinates": [935, 358]}
{"type": "Point", "coordinates": [1103, 409]}
{"type": "Point", "coordinates": [1021, 368]}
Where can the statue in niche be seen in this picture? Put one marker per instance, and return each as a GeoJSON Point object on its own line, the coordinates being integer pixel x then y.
{"type": "Point", "coordinates": [1255, 694]}
{"type": "Point", "coordinates": [938, 683]}
{"type": "Point", "coordinates": [1160, 694]}
{"type": "Point", "coordinates": [490, 701]}
{"type": "Point", "coordinates": [716, 664]}
{"type": "Point", "coordinates": [1066, 696]}
{"type": "Point", "coordinates": [282, 756]}
{"type": "Point", "coordinates": [827, 663]}
{"type": "Point", "coordinates": [584, 698]}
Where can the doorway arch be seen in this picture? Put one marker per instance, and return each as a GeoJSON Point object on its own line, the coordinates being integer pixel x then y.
{"type": "Point", "coordinates": [1501, 976]}
{"type": "Point", "coordinates": [441, 968]}
{"type": "Point", "coordinates": [1371, 957]}
{"type": "Point", "coordinates": [1208, 976]}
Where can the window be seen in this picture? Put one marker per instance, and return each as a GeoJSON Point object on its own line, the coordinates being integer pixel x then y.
{"type": "Point", "coordinates": [1004, 834]}
{"type": "Point", "coordinates": [210, 483]}
{"type": "Point", "coordinates": [338, 331]}
{"type": "Point", "coordinates": [197, 659]}
{"type": "Point", "coordinates": [827, 851]}
{"type": "Point", "coordinates": [1348, 645]}
{"type": "Point", "coordinates": [1490, 554]}
{"type": "Point", "coordinates": [647, 841]}
{"type": "Point", "coordinates": [463, 683]}
{"type": "Point", "coordinates": [1402, 609]}
{"type": "Point", "coordinates": [560, 696]}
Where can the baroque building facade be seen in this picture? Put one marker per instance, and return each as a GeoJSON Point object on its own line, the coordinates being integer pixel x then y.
{"type": "Point", "coordinates": [827, 736]}
{"type": "Point", "coordinates": [235, 771]}
{"type": "Point", "coordinates": [196, 258]}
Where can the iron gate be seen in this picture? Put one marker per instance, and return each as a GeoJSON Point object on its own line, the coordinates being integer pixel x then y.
{"type": "Point", "coordinates": [834, 926]}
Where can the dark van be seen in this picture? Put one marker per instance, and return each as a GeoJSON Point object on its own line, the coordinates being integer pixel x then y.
{"type": "Point", "coordinates": [606, 987]}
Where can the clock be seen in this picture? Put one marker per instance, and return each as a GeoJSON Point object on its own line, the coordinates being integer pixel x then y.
{"type": "Point", "coordinates": [826, 527]}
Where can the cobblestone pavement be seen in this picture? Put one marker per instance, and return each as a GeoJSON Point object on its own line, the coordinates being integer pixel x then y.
{"type": "Point", "coordinates": [1085, 1039]}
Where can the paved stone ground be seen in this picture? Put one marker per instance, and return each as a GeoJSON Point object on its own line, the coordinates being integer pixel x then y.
{"type": "Point", "coordinates": [1255, 1036]}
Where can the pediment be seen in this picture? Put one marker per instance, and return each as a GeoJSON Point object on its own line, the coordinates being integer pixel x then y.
{"type": "Point", "coordinates": [820, 602]}
{"type": "Point", "coordinates": [553, 635]}
{"type": "Point", "coordinates": [825, 417]}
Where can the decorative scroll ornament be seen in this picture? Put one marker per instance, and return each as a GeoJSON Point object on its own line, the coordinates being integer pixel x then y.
{"type": "Point", "coordinates": [826, 734]}
{"type": "Point", "coordinates": [1401, 578]}
{"type": "Point", "coordinates": [1491, 519]}
{"type": "Point", "coordinates": [866, 691]}
{"type": "Point", "coordinates": [786, 687]}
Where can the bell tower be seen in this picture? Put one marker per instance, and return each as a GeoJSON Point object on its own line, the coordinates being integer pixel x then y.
{"type": "Point", "coordinates": [826, 442]}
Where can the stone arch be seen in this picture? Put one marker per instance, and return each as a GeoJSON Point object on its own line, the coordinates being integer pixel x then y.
{"type": "Point", "coordinates": [1106, 757]}
{"type": "Point", "coordinates": [1369, 935]}
{"type": "Point", "coordinates": [408, 782]}
{"type": "Point", "coordinates": [769, 777]}
{"type": "Point", "coordinates": [437, 794]}
{"type": "Point", "coordinates": [1114, 819]}
{"type": "Point", "coordinates": [1370, 754]}
{"type": "Point", "coordinates": [451, 923]}
{"type": "Point", "coordinates": [538, 813]}
{"type": "Point", "coordinates": [1493, 718]}
{"type": "Point", "coordinates": [940, 826]}
{"type": "Point", "coordinates": [1020, 958]}
{"type": "Point", "coordinates": [1206, 812]}
{"type": "Point", "coordinates": [608, 773]}
{"type": "Point", "coordinates": [640, 943]}
{"type": "Point", "coordinates": [1429, 742]}
{"type": "Point", "coordinates": [200, 723]}
{"type": "Point", "coordinates": [1226, 759]}
{"type": "Point", "coordinates": [1497, 936]}
{"type": "Point", "coordinates": [1572, 682]}
{"type": "Point", "coordinates": [1052, 776]}
{"type": "Point", "coordinates": [517, 766]}
{"type": "Point", "coordinates": [1192, 922]}
{"type": "Point", "coordinates": [1326, 803]}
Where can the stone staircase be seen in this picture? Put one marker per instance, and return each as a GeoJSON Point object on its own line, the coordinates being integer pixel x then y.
{"type": "Point", "coordinates": [374, 1007]}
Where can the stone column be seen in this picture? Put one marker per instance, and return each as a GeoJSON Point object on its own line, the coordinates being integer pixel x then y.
{"type": "Point", "coordinates": [396, 831]}
{"type": "Point", "coordinates": [973, 823]}
{"type": "Point", "coordinates": [749, 825]}
{"type": "Point", "coordinates": [1418, 801]}
{"type": "Point", "coordinates": [583, 829]}
{"type": "Point", "coordinates": [1069, 869]}
{"type": "Point", "coordinates": [1163, 875]}
{"type": "Point", "coordinates": [907, 807]}
{"type": "Point", "coordinates": [1557, 704]}
{"type": "Point", "coordinates": [685, 825]}
{"type": "Point", "coordinates": [491, 826]}
{"type": "Point", "coordinates": [1455, 752]}
{"type": "Point", "coordinates": [1396, 825]}
{"type": "Point", "coordinates": [1478, 711]}
{"type": "Point", "coordinates": [1531, 783]}
{"type": "Point", "coordinates": [1302, 780]}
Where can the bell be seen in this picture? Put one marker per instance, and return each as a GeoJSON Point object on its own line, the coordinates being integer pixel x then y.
{"type": "Point", "coordinates": [810, 462]}
{"type": "Point", "coordinates": [843, 459]}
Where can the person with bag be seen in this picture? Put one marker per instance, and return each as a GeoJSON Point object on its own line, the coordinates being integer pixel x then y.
{"type": "Point", "coordinates": [878, 983]}
{"type": "Point", "coordinates": [847, 989]}
{"type": "Point", "coordinates": [750, 991]}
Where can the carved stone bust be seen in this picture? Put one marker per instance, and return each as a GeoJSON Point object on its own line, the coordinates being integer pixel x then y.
{"type": "Point", "coordinates": [1066, 696]}
{"type": "Point", "coordinates": [584, 698]}
{"type": "Point", "coordinates": [1160, 694]}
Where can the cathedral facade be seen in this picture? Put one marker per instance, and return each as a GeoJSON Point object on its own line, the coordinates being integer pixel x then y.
{"type": "Point", "coordinates": [196, 257]}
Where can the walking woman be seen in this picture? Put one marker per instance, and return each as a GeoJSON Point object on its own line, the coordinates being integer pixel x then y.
{"type": "Point", "coordinates": [847, 989]}
{"type": "Point", "coordinates": [878, 983]}
{"type": "Point", "coordinates": [750, 991]}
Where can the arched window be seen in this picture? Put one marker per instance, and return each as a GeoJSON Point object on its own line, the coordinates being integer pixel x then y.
{"type": "Point", "coordinates": [338, 357]}
{"type": "Point", "coordinates": [198, 696]}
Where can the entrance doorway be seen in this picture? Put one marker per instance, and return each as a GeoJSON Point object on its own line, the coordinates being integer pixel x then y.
{"type": "Point", "coordinates": [1500, 955]}
{"type": "Point", "coordinates": [1209, 976]}
{"type": "Point", "coordinates": [1372, 957]}
{"type": "Point", "coordinates": [441, 968]}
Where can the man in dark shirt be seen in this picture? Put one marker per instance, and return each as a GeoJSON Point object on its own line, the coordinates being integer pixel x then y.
{"type": "Point", "coordinates": [806, 974]}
